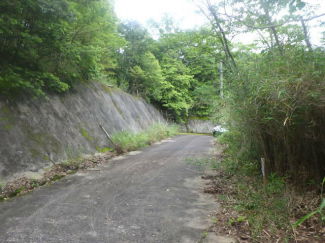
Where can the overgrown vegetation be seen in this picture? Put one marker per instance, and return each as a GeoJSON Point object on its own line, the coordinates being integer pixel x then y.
{"type": "Point", "coordinates": [50, 45]}
{"type": "Point", "coordinates": [127, 141]}
{"type": "Point", "coordinates": [274, 109]}
{"type": "Point", "coordinates": [253, 212]}
{"type": "Point", "coordinates": [177, 72]}
{"type": "Point", "coordinates": [281, 118]}
{"type": "Point", "coordinates": [275, 96]}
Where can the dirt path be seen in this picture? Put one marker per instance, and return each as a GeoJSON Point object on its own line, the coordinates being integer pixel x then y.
{"type": "Point", "coordinates": [151, 195]}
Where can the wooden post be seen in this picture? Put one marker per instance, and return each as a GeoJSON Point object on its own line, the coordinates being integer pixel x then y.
{"type": "Point", "coordinates": [263, 171]}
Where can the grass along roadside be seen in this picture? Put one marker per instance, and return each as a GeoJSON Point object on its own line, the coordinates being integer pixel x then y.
{"type": "Point", "coordinates": [252, 212]}
{"type": "Point", "coordinates": [125, 141]}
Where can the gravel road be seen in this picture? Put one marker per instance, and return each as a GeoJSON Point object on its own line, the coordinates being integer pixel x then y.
{"type": "Point", "coordinates": [151, 195]}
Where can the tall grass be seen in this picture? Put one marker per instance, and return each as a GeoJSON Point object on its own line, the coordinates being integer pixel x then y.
{"type": "Point", "coordinates": [127, 141]}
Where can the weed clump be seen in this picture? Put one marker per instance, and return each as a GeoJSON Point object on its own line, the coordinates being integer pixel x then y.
{"type": "Point", "coordinates": [17, 191]}
{"type": "Point", "coordinates": [127, 141]}
{"type": "Point", "coordinates": [56, 177]}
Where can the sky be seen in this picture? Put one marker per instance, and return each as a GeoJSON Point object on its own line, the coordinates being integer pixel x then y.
{"type": "Point", "coordinates": [142, 10]}
{"type": "Point", "coordinates": [185, 11]}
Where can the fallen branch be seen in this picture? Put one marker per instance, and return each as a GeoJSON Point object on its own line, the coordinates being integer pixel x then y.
{"type": "Point", "coordinates": [108, 136]}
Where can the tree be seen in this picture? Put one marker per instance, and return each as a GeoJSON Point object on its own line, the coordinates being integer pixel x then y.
{"type": "Point", "coordinates": [147, 80]}
{"type": "Point", "coordinates": [49, 45]}
{"type": "Point", "coordinates": [176, 96]}
{"type": "Point", "coordinates": [154, 78]}
{"type": "Point", "coordinates": [138, 43]}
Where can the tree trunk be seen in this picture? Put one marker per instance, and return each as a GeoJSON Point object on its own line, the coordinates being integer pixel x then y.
{"type": "Point", "coordinates": [224, 38]}
{"type": "Point", "coordinates": [273, 29]}
{"type": "Point", "coordinates": [307, 40]}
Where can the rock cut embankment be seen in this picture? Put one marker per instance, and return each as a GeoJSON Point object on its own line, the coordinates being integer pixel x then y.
{"type": "Point", "coordinates": [36, 132]}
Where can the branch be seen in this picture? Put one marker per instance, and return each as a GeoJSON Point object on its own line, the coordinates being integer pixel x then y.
{"type": "Point", "coordinates": [306, 35]}
{"type": "Point", "coordinates": [108, 136]}
{"type": "Point", "coordinates": [224, 38]}
{"type": "Point", "coordinates": [259, 32]}
{"type": "Point", "coordinates": [275, 25]}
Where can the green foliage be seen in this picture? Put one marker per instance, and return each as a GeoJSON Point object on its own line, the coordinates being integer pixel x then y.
{"type": "Point", "coordinates": [190, 65]}
{"type": "Point", "coordinates": [257, 204]}
{"type": "Point", "coordinates": [154, 79]}
{"type": "Point", "coordinates": [17, 191]}
{"type": "Point", "coordinates": [176, 95]}
{"type": "Point", "coordinates": [204, 235]}
{"type": "Point", "coordinates": [103, 150]}
{"type": "Point", "coordinates": [147, 79]}
{"type": "Point", "coordinates": [50, 45]}
{"type": "Point", "coordinates": [72, 164]}
{"type": "Point", "coordinates": [127, 141]}
{"type": "Point", "coordinates": [34, 183]}
{"type": "Point", "coordinates": [282, 110]}
{"type": "Point", "coordinates": [177, 72]}
{"type": "Point", "coordinates": [234, 220]}
{"type": "Point", "coordinates": [275, 94]}
{"type": "Point", "coordinates": [133, 56]}
{"type": "Point", "coordinates": [56, 177]}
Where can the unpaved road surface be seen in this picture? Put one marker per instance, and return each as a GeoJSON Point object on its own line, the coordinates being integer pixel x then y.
{"type": "Point", "coordinates": [152, 195]}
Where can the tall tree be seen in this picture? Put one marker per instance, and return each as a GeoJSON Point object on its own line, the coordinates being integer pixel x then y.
{"type": "Point", "coordinates": [138, 43]}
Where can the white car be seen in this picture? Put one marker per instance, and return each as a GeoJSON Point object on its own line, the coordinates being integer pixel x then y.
{"type": "Point", "coordinates": [218, 130]}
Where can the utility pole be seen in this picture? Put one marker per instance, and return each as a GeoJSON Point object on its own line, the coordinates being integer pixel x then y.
{"type": "Point", "coordinates": [221, 80]}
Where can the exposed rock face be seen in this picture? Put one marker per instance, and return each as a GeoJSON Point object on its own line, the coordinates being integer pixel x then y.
{"type": "Point", "coordinates": [36, 132]}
